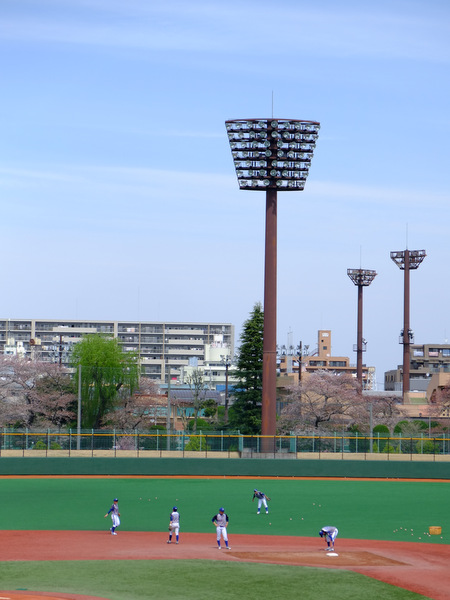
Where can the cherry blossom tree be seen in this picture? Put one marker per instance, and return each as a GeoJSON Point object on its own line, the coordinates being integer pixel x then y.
{"type": "Point", "coordinates": [321, 398]}
{"type": "Point", "coordinates": [35, 393]}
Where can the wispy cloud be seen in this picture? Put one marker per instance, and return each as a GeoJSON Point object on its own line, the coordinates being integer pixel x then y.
{"type": "Point", "coordinates": [420, 33]}
{"type": "Point", "coordinates": [165, 183]}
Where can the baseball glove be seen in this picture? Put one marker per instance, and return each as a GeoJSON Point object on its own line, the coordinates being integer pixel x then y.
{"type": "Point", "coordinates": [170, 526]}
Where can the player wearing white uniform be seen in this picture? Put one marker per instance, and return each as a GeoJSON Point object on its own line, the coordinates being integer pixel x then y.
{"type": "Point", "coordinates": [262, 499]}
{"type": "Point", "coordinates": [174, 525]}
{"type": "Point", "coordinates": [221, 523]}
{"type": "Point", "coordinates": [330, 534]}
{"type": "Point", "coordinates": [115, 516]}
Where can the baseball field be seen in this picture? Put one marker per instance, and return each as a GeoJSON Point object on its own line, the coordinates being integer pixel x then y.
{"type": "Point", "coordinates": [56, 541]}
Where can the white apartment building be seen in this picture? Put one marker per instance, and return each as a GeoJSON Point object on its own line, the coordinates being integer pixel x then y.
{"type": "Point", "coordinates": [163, 347]}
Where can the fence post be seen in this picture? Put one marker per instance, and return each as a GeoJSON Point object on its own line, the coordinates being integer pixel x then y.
{"type": "Point", "coordinates": [92, 442]}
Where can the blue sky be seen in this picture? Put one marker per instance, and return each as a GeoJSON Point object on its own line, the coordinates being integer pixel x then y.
{"type": "Point", "coordinates": [118, 192]}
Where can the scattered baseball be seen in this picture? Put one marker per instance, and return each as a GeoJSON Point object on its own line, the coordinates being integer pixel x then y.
{"type": "Point", "coordinates": [290, 518]}
{"type": "Point", "coordinates": [270, 523]}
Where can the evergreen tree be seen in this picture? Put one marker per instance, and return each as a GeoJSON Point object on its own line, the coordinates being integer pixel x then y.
{"type": "Point", "coordinates": [245, 413]}
{"type": "Point", "coordinates": [106, 372]}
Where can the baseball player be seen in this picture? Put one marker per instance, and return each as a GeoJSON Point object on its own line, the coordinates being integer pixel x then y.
{"type": "Point", "coordinates": [115, 516]}
{"type": "Point", "coordinates": [174, 525]}
{"type": "Point", "coordinates": [221, 523]}
{"type": "Point", "coordinates": [330, 534]}
{"type": "Point", "coordinates": [262, 499]}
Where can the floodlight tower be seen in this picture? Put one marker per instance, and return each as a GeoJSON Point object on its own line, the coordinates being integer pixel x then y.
{"type": "Point", "coordinates": [407, 260]}
{"type": "Point", "coordinates": [361, 278]}
{"type": "Point", "coordinates": [272, 155]}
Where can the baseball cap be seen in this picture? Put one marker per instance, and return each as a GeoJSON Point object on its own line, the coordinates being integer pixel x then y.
{"type": "Point", "coordinates": [116, 500]}
{"type": "Point", "coordinates": [255, 490]}
{"type": "Point", "coordinates": [175, 508]}
{"type": "Point", "coordinates": [221, 509]}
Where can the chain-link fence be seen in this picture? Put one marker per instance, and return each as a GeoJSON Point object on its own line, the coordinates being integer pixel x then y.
{"type": "Point", "coordinates": [119, 443]}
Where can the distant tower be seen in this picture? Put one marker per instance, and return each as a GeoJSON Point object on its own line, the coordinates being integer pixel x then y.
{"type": "Point", "coordinates": [361, 278]}
{"type": "Point", "coordinates": [407, 260]}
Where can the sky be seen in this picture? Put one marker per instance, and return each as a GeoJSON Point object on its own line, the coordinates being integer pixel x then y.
{"type": "Point", "coordinates": [119, 199]}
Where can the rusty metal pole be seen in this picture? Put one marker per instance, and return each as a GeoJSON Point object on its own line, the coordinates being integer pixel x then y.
{"type": "Point", "coordinates": [359, 338]}
{"type": "Point", "coordinates": [406, 326]}
{"type": "Point", "coordinates": [269, 381]}
{"type": "Point", "coordinates": [407, 260]}
{"type": "Point", "coordinates": [361, 278]}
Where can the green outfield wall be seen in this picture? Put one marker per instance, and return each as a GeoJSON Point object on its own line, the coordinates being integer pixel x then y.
{"type": "Point", "coordinates": [224, 467]}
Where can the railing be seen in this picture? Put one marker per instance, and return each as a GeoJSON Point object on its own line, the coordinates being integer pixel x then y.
{"type": "Point", "coordinates": [118, 443]}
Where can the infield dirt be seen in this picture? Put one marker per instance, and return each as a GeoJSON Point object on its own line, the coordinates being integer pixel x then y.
{"type": "Point", "coordinates": [415, 567]}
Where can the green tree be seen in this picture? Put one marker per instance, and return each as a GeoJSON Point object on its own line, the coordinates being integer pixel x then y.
{"type": "Point", "coordinates": [106, 373]}
{"type": "Point", "coordinates": [245, 413]}
{"type": "Point", "coordinates": [381, 433]}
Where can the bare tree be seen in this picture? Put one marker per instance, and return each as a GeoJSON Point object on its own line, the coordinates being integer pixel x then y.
{"type": "Point", "coordinates": [195, 381]}
{"type": "Point", "coordinates": [378, 409]}
{"type": "Point", "coordinates": [138, 410]}
{"type": "Point", "coordinates": [322, 398]}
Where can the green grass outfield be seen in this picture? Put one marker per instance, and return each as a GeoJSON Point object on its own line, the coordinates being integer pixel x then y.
{"type": "Point", "coordinates": [378, 510]}
{"type": "Point", "coordinates": [384, 510]}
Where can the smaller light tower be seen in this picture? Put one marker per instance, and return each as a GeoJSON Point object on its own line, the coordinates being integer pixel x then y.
{"type": "Point", "coordinates": [361, 278]}
{"type": "Point", "coordinates": [407, 260]}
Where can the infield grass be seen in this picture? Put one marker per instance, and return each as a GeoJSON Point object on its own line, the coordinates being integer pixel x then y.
{"type": "Point", "coordinates": [194, 580]}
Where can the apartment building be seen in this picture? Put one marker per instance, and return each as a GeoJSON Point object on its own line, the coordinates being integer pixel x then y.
{"type": "Point", "coordinates": [321, 358]}
{"type": "Point", "coordinates": [425, 361]}
{"type": "Point", "coordinates": [165, 348]}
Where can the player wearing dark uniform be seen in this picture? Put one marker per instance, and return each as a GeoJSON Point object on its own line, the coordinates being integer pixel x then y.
{"type": "Point", "coordinates": [262, 499]}
{"type": "Point", "coordinates": [221, 523]}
